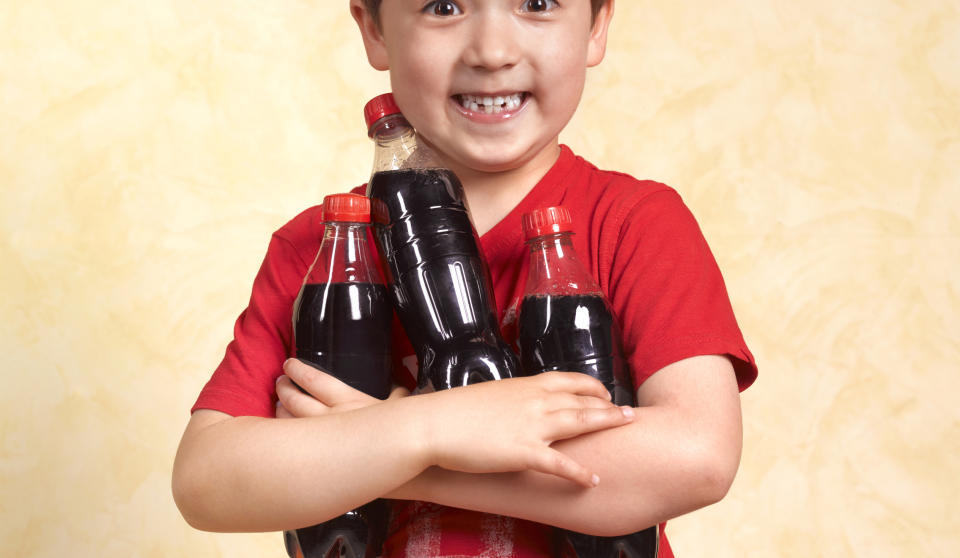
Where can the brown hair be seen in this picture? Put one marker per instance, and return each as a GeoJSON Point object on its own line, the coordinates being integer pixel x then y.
{"type": "Point", "coordinates": [373, 6]}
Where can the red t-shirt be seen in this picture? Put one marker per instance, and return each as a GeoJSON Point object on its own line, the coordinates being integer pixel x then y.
{"type": "Point", "coordinates": [638, 240]}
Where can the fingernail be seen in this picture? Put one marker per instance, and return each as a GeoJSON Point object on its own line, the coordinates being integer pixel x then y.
{"type": "Point", "coordinates": [277, 381]}
{"type": "Point", "coordinates": [627, 412]}
{"type": "Point", "coordinates": [595, 480]}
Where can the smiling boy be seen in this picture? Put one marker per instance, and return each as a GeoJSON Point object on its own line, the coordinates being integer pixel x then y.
{"type": "Point", "coordinates": [485, 470]}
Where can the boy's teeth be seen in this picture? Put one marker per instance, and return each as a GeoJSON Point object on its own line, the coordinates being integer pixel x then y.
{"type": "Point", "coordinates": [490, 105]}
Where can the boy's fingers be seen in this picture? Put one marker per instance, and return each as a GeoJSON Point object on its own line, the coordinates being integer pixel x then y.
{"type": "Point", "coordinates": [398, 392]}
{"type": "Point", "coordinates": [561, 400]}
{"type": "Point", "coordinates": [287, 390]}
{"type": "Point", "coordinates": [305, 376]}
{"type": "Point", "coordinates": [295, 402]}
{"type": "Point", "coordinates": [568, 423]}
{"type": "Point", "coordinates": [285, 385]}
{"type": "Point", "coordinates": [282, 411]}
{"type": "Point", "coordinates": [556, 463]}
{"type": "Point", "coordinates": [575, 382]}
{"type": "Point", "coordinates": [321, 385]}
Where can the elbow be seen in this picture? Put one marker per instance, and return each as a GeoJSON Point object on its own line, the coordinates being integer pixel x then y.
{"type": "Point", "coordinates": [703, 478]}
{"type": "Point", "coordinates": [712, 472]}
{"type": "Point", "coordinates": [715, 479]}
{"type": "Point", "coordinates": [185, 494]}
{"type": "Point", "coordinates": [189, 496]}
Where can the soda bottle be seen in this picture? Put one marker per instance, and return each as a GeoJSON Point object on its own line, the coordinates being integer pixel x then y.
{"type": "Point", "coordinates": [438, 278]}
{"type": "Point", "coordinates": [566, 323]}
{"type": "Point", "coordinates": [341, 325]}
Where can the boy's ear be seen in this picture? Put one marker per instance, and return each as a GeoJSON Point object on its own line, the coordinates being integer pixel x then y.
{"type": "Point", "coordinates": [598, 35]}
{"type": "Point", "coordinates": [372, 36]}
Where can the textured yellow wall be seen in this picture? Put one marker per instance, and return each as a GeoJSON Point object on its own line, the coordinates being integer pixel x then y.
{"type": "Point", "coordinates": [148, 149]}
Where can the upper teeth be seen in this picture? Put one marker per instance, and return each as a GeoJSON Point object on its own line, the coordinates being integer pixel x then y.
{"type": "Point", "coordinates": [490, 104]}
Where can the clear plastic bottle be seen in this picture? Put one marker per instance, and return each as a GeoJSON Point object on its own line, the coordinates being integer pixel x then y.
{"type": "Point", "coordinates": [438, 278]}
{"type": "Point", "coordinates": [566, 323]}
{"type": "Point", "coordinates": [341, 325]}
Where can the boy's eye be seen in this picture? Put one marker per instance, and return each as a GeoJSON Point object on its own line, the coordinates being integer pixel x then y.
{"type": "Point", "coordinates": [539, 5]}
{"type": "Point", "coordinates": [441, 8]}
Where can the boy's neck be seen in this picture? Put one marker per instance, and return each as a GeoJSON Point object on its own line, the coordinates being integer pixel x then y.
{"type": "Point", "coordinates": [492, 195]}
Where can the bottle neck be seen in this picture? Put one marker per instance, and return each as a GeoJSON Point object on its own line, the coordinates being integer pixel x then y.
{"type": "Point", "coordinates": [395, 142]}
{"type": "Point", "coordinates": [345, 256]}
{"type": "Point", "coordinates": [555, 268]}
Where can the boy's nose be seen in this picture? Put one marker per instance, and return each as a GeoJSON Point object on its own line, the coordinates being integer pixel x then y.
{"type": "Point", "coordinates": [492, 44]}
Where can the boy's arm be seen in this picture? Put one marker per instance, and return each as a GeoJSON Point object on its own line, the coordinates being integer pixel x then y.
{"type": "Point", "coordinates": [680, 454]}
{"type": "Point", "coordinates": [235, 474]}
{"type": "Point", "coordinates": [261, 474]}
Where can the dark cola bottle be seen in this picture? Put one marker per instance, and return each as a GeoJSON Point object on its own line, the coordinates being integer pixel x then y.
{"type": "Point", "coordinates": [437, 276]}
{"type": "Point", "coordinates": [566, 323]}
{"type": "Point", "coordinates": [341, 325]}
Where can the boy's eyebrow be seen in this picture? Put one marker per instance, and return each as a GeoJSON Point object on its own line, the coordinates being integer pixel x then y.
{"type": "Point", "coordinates": [373, 7]}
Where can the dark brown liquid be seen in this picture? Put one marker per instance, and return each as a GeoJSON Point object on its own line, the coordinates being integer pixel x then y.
{"type": "Point", "coordinates": [439, 282]}
{"type": "Point", "coordinates": [344, 329]}
{"type": "Point", "coordinates": [574, 333]}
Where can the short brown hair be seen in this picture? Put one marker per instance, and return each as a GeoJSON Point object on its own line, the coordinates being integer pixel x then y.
{"type": "Point", "coordinates": [373, 6]}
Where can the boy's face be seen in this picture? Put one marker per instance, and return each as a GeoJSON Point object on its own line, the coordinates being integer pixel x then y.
{"type": "Point", "coordinates": [490, 83]}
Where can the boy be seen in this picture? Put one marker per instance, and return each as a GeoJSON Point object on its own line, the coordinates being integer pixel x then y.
{"type": "Point", "coordinates": [489, 84]}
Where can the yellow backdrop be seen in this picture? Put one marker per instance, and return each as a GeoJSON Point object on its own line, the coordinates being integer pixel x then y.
{"type": "Point", "coordinates": [148, 149]}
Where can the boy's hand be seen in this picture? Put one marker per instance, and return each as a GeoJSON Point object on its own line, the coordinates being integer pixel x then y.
{"type": "Point", "coordinates": [509, 425]}
{"type": "Point", "coordinates": [325, 394]}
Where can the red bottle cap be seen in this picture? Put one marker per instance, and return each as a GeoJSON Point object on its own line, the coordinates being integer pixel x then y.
{"type": "Point", "coordinates": [351, 208]}
{"type": "Point", "coordinates": [379, 107]}
{"type": "Point", "coordinates": [546, 220]}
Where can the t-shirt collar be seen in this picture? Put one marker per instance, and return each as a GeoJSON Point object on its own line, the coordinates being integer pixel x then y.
{"type": "Point", "coordinates": [547, 192]}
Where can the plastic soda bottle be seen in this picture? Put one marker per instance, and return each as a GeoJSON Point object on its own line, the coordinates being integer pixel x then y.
{"type": "Point", "coordinates": [438, 279]}
{"type": "Point", "coordinates": [341, 325]}
{"type": "Point", "coordinates": [566, 323]}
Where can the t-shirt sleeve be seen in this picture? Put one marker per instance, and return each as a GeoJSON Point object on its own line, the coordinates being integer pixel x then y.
{"type": "Point", "coordinates": [667, 289]}
{"type": "Point", "coordinates": [243, 384]}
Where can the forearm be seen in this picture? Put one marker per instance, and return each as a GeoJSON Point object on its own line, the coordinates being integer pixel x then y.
{"type": "Point", "coordinates": [671, 460]}
{"type": "Point", "coordinates": [646, 476]}
{"type": "Point", "coordinates": [255, 474]}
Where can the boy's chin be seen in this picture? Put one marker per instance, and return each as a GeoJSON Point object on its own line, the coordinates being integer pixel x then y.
{"type": "Point", "coordinates": [494, 161]}
{"type": "Point", "coordinates": [491, 167]}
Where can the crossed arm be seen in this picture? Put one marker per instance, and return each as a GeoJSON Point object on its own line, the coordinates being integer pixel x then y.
{"type": "Point", "coordinates": [525, 447]}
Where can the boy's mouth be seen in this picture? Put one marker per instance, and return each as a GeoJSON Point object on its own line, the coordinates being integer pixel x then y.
{"type": "Point", "coordinates": [491, 104]}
